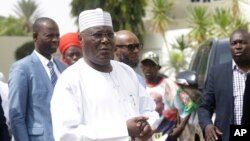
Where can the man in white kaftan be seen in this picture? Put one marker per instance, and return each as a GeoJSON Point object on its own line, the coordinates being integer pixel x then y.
{"type": "Point", "coordinates": [92, 105]}
{"type": "Point", "coordinates": [97, 99]}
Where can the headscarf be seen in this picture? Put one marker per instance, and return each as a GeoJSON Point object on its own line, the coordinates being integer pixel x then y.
{"type": "Point", "coordinates": [68, 40]}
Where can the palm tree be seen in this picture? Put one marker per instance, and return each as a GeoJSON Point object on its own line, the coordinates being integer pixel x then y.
{"type": "Point", "coordinates": [161, 17]}
{"type": "Point", "coordinates": [222, 20]}
{"type": "Point", "coordinates": [181, 43]}
{"type": "Point", "coordinates": [10, 26]}
{"type": "Point", "coordinates": [126, 14]}
{"type": "Point", "coordinates": [27, 10]}
{"type": "Point", "coordinates": [199, 21]}
{"type": "Point", "coordinates": [178, 56]}
{"type": "Point", "coordinates": [239, 23]}
{"type": "Point", "coordinates": [225, 23]}
{"type": "Point", "coordinates": [177, 61]}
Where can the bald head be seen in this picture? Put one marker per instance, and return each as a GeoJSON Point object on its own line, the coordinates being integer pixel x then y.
{"type": "Point", "coordinates": [123, 36]}
{"type": "Point", "coordinates": [243, 32]}
{"type": "Point", "coordinates": [127, 48]}
{"type": "Point", "coordinates": [40, 22]}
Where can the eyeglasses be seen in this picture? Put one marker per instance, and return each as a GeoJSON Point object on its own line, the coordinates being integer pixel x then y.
{"type": "Point", "coordinates": [100, 35]}
{"type": "Point", "coordinates": [131, 47]}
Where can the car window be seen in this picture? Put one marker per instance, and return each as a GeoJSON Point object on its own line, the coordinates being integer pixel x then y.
{"type": "Point", "coordinates": [199, 64]}
{"type": "Point", "coordinates": [210, 53]}
{"type": "Point", "coordinates": [222, 52]}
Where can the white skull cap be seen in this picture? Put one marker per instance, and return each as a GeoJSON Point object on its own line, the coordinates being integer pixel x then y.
{"type": "Point", "coordinates": [94, 17]}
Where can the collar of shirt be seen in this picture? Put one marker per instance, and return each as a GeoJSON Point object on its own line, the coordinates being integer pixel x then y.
{"type": "Point", "coordinates": [236, 68]}
{"type": "Point", "coordinates": [44, 60]}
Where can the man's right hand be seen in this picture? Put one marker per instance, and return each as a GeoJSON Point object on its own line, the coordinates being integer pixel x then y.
{"type": "Point", "coordinates": [212, 133]}
{"type": "Point", "coordinates": [136, 125]}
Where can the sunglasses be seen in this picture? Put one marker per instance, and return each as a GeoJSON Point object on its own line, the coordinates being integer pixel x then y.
{"type": "Point", "coordinates": [131, 47]}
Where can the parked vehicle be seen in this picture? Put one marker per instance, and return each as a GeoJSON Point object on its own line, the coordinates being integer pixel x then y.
{"type": "Point", "coordinates": [210, 53]}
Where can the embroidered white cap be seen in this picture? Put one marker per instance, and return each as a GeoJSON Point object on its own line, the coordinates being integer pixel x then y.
{"type": "Point", "coordinates": [94, 17]}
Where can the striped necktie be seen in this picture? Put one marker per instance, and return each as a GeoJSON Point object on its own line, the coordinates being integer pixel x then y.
{"type": "Point", "coordinates": [52, 73]}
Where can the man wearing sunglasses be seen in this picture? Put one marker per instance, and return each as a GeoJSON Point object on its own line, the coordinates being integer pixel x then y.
{"type": "Point", "coordinates": [127, 50]}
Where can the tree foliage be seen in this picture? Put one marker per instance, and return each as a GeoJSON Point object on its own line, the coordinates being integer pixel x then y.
{"type": "Point", "coordinates": [219, 23]}
{"type": "Point", "coordinates": [11, 26]}
{"type": "Point", "coordinates": [161, 17]}
{"type": "Point", "coordinates": [178, 56]}
{"type": "Point", "coordinates": [225, 23]}
{"type": "Point", "coordinates": [22, 25]}
{"type": "Point", "coordinates": [126, 14]}
{"type": "Point", "coordinates": [27, 10]}
{"type": "Point", "coordinates": [199, 21]}
{"type": "Point", "coordinates": [177, 60]}
{"type": "Point", "coordinates": [181, 43]}
{"type": "Point", "coordinates": [222, 21]}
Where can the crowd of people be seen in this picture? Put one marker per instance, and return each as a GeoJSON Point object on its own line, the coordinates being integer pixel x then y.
{"type": "Point", "coordinates": [94, 91]}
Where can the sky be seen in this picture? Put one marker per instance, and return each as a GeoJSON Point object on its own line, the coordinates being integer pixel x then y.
{"type": "Point", "coordinates": [59, 10]}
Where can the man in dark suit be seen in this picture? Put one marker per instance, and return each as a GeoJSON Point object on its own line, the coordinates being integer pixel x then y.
{"type": "Point", "coordinates": [31, 83]}
{"type": "Point", "coordinates": [224, 90]}
{"type": "Point", "coordinates": [4, 134]}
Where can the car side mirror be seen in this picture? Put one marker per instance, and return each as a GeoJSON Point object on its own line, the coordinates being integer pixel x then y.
{"type": "Point", "coordinates": [188, 78]}
{"type": "Point", "coordinates": [189, 82]}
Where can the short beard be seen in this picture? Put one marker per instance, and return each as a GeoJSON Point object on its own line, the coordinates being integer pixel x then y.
{"type": "Point", "coordinates": [128, 62]}
{"type": "Point", "coordinates": [242, 62]}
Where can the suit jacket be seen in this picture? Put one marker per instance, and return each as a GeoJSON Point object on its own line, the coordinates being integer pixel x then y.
{"type": "Point", "coordinates": [218, 96]}
{"type": "Point", "coordinates": [4, 133]}
{"type": "Point", "coordinates": [30, 91]}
